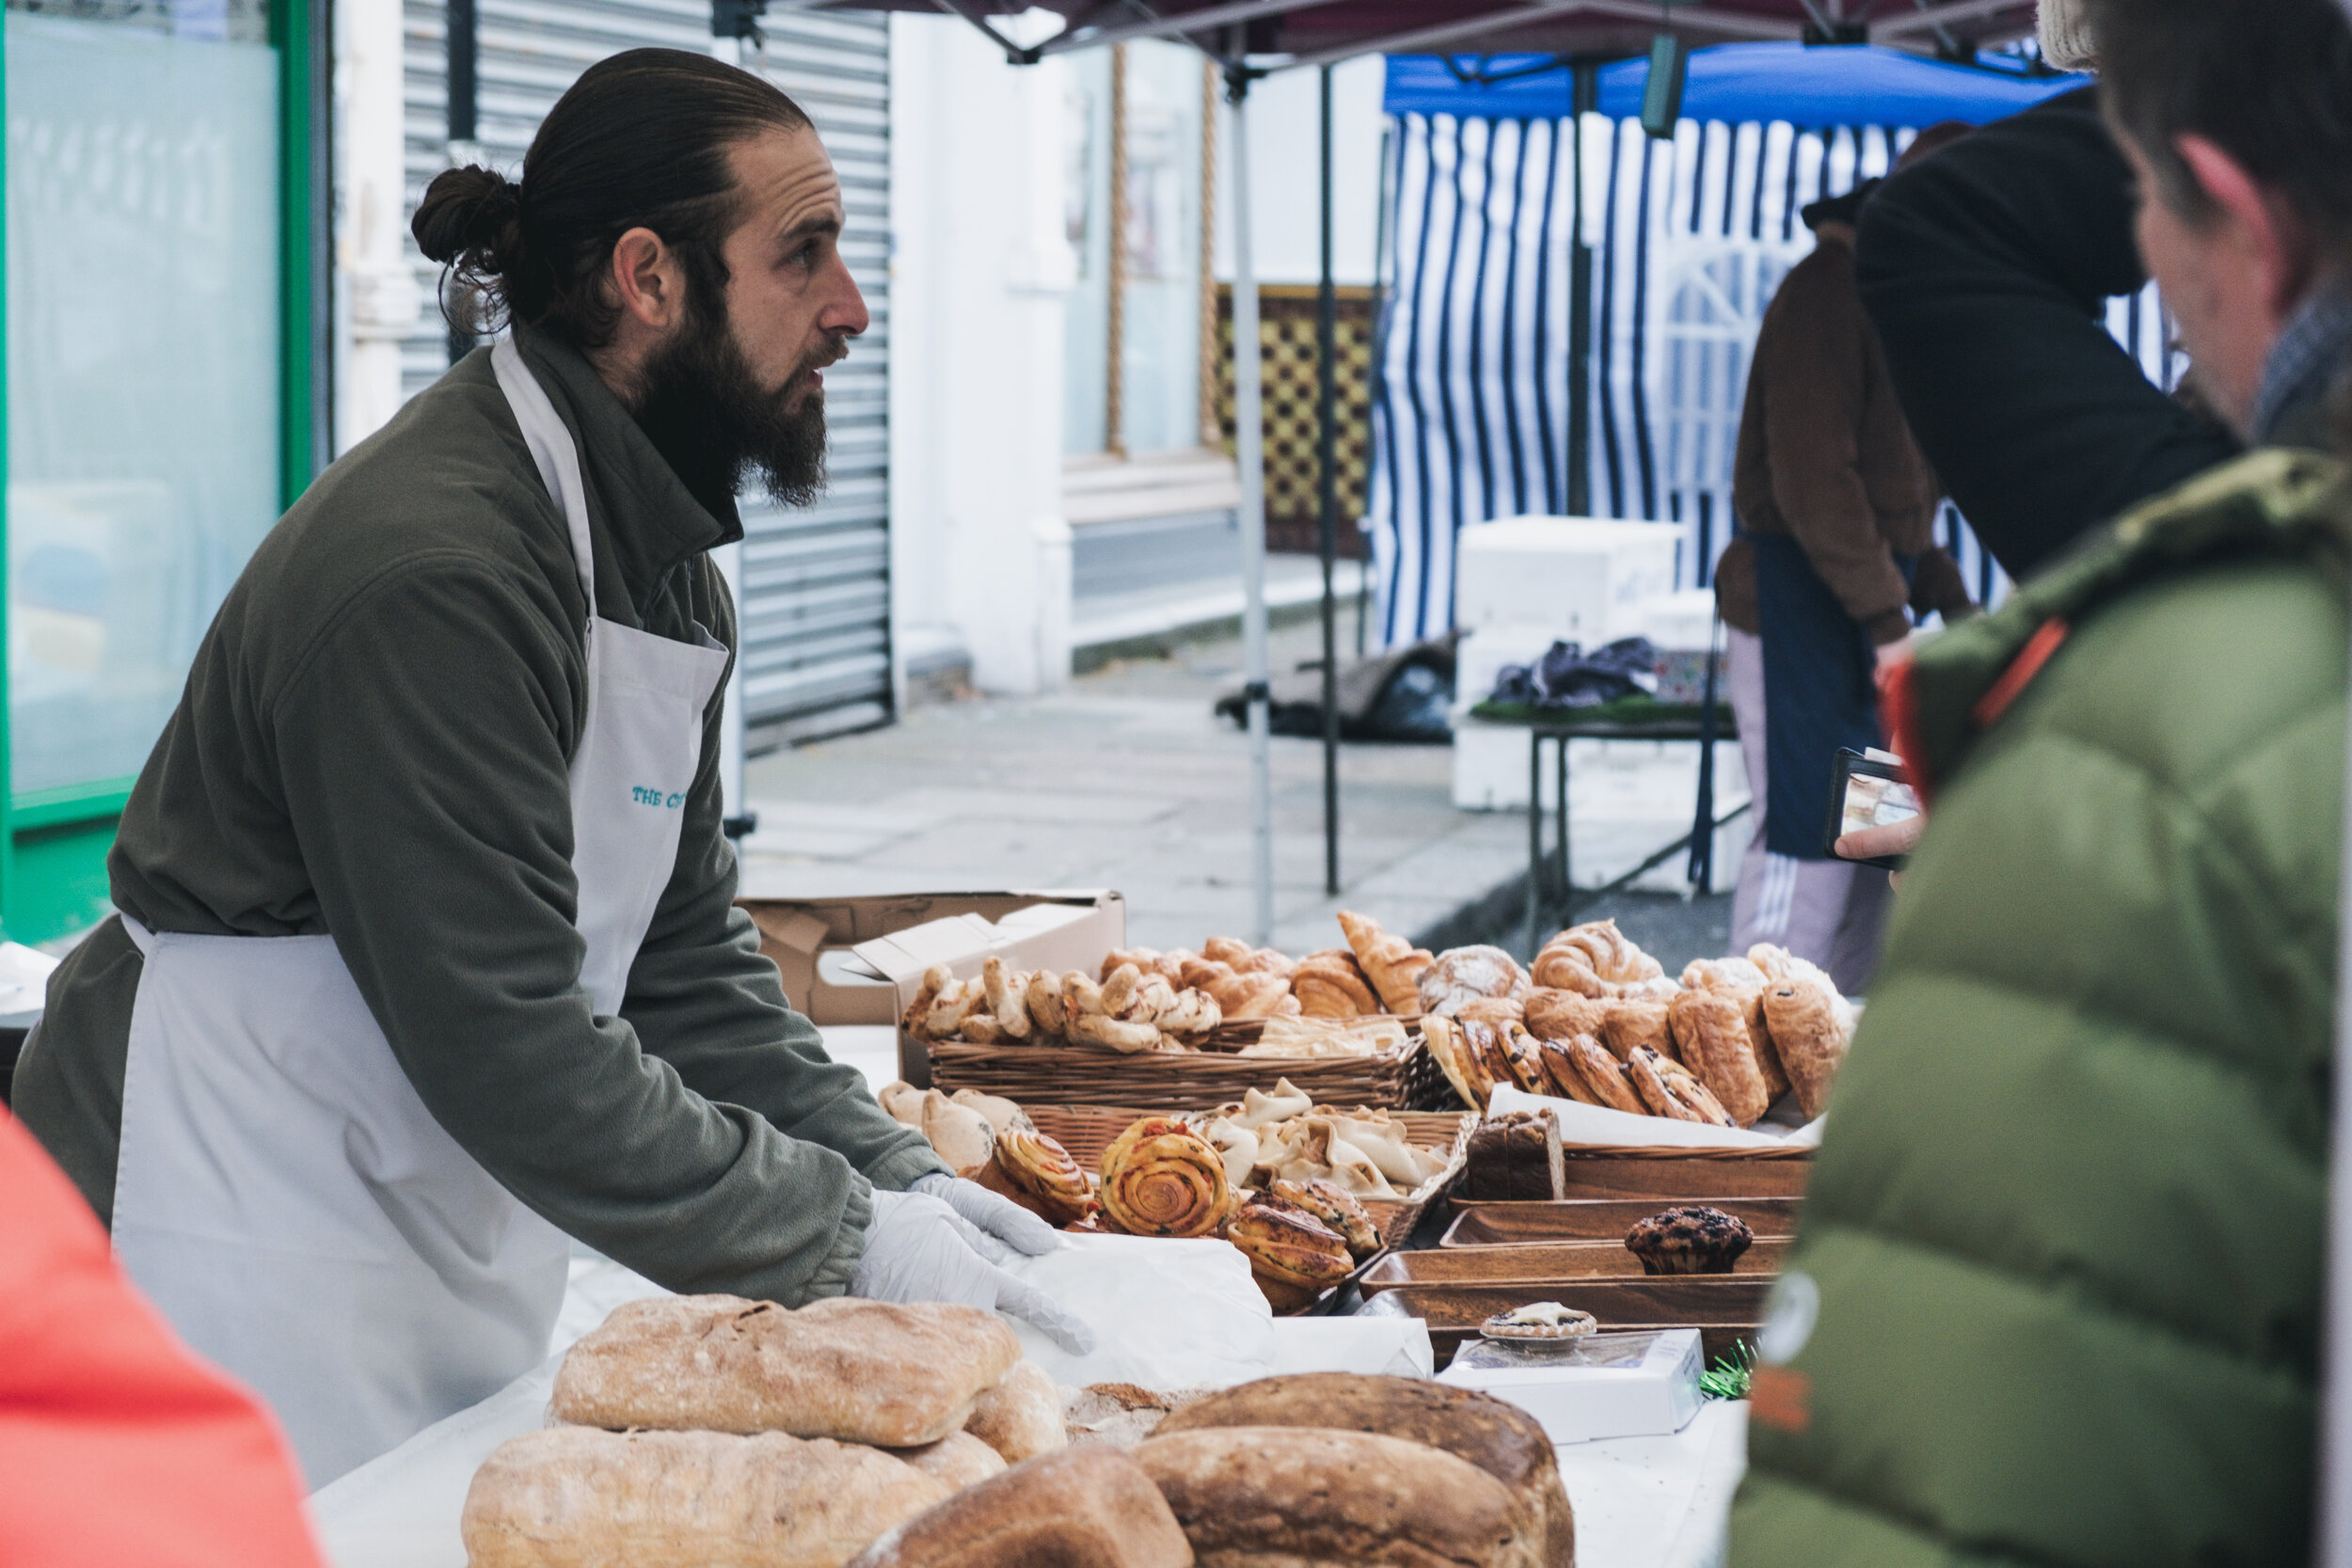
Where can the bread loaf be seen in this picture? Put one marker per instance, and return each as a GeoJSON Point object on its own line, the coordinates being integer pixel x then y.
{"type": "Point", "coordinates": [1271, 1496]}
{"type": "Point", "coordinates": [1092, 1507]}
{"type": "Point", "coordinates": [865, 1372]}
{"type": "Point", "coordinates": [577, 1498]}
{"type": "Point", "coordinates": [1021, 1417]}
{"type": "Point", "coordinates": [1499, 1438]}
{"type": "Point", "coordinates": [956, 1460]}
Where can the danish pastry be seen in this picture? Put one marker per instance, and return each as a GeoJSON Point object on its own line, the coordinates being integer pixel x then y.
{"type": "Point", "coordinates": [1162, 1179]}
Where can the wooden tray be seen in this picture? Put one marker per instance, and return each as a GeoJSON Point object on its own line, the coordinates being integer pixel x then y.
{"type": "Point", "coordinates": [1553, 1264]}
{"type": "Point", "coordinates": [1196, 1081]}
{"type": "Point", "coordinates": [1684, 1181]}
{"type": "Point", "coordinates": [1600, 1219]}
{"type": "Point", "coordinates": [1087, 1131]}
{"type": "Point", "coordinates": [1723, 1308]}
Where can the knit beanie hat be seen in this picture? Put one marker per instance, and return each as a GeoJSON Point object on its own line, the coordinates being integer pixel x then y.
{"type": "Point", "coordinates": [2066, 41]}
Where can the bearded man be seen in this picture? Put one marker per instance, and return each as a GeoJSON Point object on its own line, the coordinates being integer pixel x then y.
{"type": "Point", "coordinates": [428, 958]}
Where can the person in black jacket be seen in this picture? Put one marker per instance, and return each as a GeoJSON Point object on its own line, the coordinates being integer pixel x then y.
{"type": "Point", "coordinates": [1986, 269]}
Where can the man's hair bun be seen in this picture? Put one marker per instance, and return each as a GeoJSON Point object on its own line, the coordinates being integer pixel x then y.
{"type": "Point", "coordinates": [471, 221]}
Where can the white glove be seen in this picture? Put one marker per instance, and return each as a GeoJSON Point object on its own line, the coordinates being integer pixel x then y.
{"type": "Point", "coordinates": [993, 1213]}
{"type": "Point", "coordinates": [920, 1250]}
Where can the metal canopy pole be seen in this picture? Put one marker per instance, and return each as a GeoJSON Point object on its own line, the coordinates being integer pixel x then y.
{"type": "Point", "coordinates": [1326, 449]}
{"type": "Point", "coordinates": [1250, 453]}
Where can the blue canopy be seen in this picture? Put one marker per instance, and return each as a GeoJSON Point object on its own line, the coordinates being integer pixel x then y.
{"type": "Point", "coordinates": [1845, 84]}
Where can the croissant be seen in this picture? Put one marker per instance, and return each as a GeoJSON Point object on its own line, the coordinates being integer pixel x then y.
{"type": "Point", "coordinates": [1711, 1030]}
{"type": "Point", "coordinates": [1295, 1256]}
{"type": "Point", "coordinates": [1605, 1077]}
{"type": "Point", "coordinates": [1594, 960]}
{"type": "Point", "coordinates": [1337, 1211]}
{"type": "Point", "coordinates": [1251, 995]}
{"type": "Point", "coordinates": [1037, 1173]}
{"type": "Point", "coordinates": [1732, 977]}
{"type": "Point", "coordinates": [1329, 984]}
{"type": "Point", "coordinates": [1810, 1039]}
{"type": "Point", "coordinates": [1393, 965]}
{"type": "Point", "coordinates": [1162, 1179]}
{"type": "Point", "coordinates": [1563, 1015]}
{"type": "Point", "coordinates": [1784, 968]}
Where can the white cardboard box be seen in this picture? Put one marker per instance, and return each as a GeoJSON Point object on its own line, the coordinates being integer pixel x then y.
{"type": "Point", "coordinates": [1654, 1390]}
{"type": "Point", "coordinates": [1578, 576]}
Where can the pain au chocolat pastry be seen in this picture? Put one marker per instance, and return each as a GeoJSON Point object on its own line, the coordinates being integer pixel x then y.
{"type": "Point", "coordinates": [1604, 1077]}
{"type": "Point", "coordinates": [1630, 1022]}
{"type": "Point", "coordinates": [1670, 1090]}
{"type": "Point", "coordinates": [1710, 1032]}
{"type": "Point", "coordinates": [1162, 1179]}
{"type": "Point", "coordinates": [1295, 1256]}
{"type": "Point", "coordinates": [1393, 965]}
{"type": "Point", "coordinates": [1337, 1211]}
{"type": "Point", "coordinates": [1594, 960]}
{"type": "Point", "coordinates": [1039, 1173]}
{"type": "Point", "coordinates": [1693, 1239]}
{"type": "Point", "coordinates": [1810, 1036]}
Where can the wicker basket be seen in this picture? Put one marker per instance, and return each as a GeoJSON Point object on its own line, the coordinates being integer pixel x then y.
{"type": "Point", "coordinates": [1087, 1131]}
{"type": "Point", "coordinates": [1199, 1081]}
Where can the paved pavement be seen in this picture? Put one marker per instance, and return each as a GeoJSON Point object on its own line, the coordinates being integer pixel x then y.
{"type": "Point", "coordinates": [1129, 781]}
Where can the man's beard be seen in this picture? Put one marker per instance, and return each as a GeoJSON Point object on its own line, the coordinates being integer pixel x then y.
{"type": "Point", "coordinates": [706, 412]}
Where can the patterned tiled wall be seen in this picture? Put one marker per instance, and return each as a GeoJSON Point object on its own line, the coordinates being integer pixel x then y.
{"type": "Point", "coordinates": [1286, 327]}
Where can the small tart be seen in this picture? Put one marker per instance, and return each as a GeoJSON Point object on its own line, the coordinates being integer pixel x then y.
{"type": "Point", "coordinates": [1540, 1320]}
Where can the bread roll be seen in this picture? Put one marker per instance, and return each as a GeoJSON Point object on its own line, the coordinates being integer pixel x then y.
{"type": "Point", "coordinates": [1090, 1507]}
{"type": "Point", "coordinates": [577, 1498]}
{"type": "Point", "coordinates": [865, 1372]}
{"type": "Point", "coordinates": [956, 1460]}
{"type": "Point", "coordinates": [961, 1134]}
{"type": "Point", "coordinates": [1021, 1417]}
{"type": "Point", "coordinates": [1467, 974]}
{"type": "Point", "coordinates": [1273, 1496]}
{"type": "Point", "coordinates": [1498, 1438]}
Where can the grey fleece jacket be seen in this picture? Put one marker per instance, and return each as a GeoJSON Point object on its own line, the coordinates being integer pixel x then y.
{"type": "Point", "coordinates": [374, 742]}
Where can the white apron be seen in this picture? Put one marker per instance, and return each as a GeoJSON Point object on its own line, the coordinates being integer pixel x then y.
{"type": "Point", "coordinates": [284, 1196]}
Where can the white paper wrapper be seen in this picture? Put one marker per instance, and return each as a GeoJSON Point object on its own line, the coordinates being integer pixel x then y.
{"type": "Point", "coordinates": [1597, 1124]}
{"type": "Point", "coordinates": [1166, 1314]}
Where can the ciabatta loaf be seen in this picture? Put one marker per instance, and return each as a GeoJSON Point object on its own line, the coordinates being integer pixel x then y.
{"type": "Point", "coordinates": [864, 1372]}
{"type": "Point", "coordinates": [1090, 1506]}
{"type": "Point", "coordinates": [577, 1498]}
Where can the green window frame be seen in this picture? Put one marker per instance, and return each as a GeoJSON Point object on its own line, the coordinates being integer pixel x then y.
{"type": "Point", "coordinates": [54, 842]}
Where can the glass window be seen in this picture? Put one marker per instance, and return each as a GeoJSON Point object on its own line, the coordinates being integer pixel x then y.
{"type": "Point", "coordinates": [1087, 196]}
{"type": "Point", "coordinates": [1162, 351]}
{"type": "Point", "coordinates": [142, 360]}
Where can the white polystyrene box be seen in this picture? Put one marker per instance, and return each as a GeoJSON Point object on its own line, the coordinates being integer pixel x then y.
{"type": "Point", "coordinates": [1651, 1389]}
{"type": "Point", "coordinates": [1578, 576]}
{"type": "Point", "coordinates": [1684, 619]}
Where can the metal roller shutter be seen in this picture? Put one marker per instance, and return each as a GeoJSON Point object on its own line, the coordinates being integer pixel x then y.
{"type": "Point", "coordinates": [815, 584]}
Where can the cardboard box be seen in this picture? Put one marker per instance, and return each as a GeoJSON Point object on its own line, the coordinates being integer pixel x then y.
{"type": "Point", "coordinates": [859, 959]}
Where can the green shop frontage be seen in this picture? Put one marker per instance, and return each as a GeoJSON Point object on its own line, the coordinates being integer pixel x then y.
{"type": "Point", "coordinates": [165, 394]}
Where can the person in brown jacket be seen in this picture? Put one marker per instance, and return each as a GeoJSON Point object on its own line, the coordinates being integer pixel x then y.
{"type": "Point", "coordinates": [1837, 511]}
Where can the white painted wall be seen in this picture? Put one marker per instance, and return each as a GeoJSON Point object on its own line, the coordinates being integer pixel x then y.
{"type": "Point", "coordinates": [1284, 173]}
{"type": "Point", "coordinates": [377, 298]}
{"type": "Point", "coordinates": [979, 273]}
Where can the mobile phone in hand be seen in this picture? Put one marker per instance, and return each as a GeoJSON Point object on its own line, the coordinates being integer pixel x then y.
{"type": "Point", "coordinates": [1867, 790]}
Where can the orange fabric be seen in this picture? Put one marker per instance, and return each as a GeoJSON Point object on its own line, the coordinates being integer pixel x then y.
{"type": "Point", "coordinates": [2020, 673]}
{"type": "Point", "coordinates": [1898, 710]}
{"type": "Point", "coordinates": [117, 1446]}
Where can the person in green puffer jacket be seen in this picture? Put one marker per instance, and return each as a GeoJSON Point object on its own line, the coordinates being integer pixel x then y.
{"type": "Point", "coordinates": [2057, 1295]}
